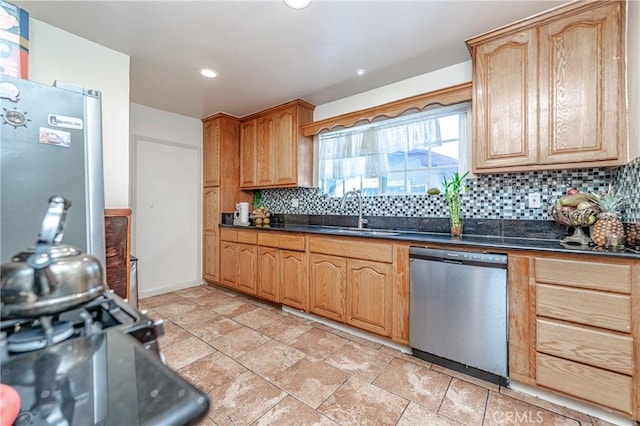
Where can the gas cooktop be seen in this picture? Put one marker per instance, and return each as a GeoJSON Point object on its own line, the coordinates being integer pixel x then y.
{"type": "Point", "coordinates": [97, 364]}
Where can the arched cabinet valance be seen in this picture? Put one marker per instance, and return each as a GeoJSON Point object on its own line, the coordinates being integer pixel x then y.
{"type": "Point", "coordinates": [448, 96]}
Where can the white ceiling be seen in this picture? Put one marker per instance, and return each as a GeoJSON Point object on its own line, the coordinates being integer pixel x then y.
{"type": "Point", "coordinates": [266, 53]}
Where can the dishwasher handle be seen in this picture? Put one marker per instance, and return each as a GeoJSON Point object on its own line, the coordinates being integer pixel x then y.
{"type": "Point", "coordinates": [492, 260]}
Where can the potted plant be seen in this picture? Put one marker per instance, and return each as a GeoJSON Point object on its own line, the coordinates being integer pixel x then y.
{"type": "Point", "coordinates": [452, 190]}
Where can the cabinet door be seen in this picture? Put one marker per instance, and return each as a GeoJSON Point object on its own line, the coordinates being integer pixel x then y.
{"type": "Point", "coordinates": [265, 159]}
{"type": "Point", "coordinates": [211, 236]}
{"type": "Point", "coordinates": [369, 296]}
{"type": "Point", "coordinates": [505, 102]}
{"type": "Point", "coordinates": [211, 152]}
{"type": "Point", "coordinates": [247, 268]}
{"type": "Point", "coordinates": [268, 276]}
{"type": "Point", "coordinates": [248, 136]}
{"type": "Point", "coordinates": [293, 279]}
{"type": "Point", "coordinates": [582, 87]}
{"type": "Point", "coordinates": [229, 263]}
{"type": "Point", "coordinates": [210, 257]}
{"type": "Point", "coordinates": [328, 286]}
{"type": "Point", "coordinates": [286, 153]}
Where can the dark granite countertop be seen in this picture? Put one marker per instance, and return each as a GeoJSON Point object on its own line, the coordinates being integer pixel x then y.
{"type": "Point", "coordinates": [532, 242]}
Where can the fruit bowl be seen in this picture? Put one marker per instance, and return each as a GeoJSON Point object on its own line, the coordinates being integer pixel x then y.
{"type": "Point", "coordinates": [576, 219]}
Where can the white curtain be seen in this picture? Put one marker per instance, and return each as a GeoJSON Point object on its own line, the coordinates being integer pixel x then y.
{"type": "Point", "coordinates": [363, 151]}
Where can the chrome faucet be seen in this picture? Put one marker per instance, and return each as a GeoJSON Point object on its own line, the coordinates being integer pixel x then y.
{"type": "Point", "coordinates": [361, 221]}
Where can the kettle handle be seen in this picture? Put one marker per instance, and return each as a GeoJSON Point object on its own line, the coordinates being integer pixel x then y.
{"type": "Point", "coordinates": [51, 231]}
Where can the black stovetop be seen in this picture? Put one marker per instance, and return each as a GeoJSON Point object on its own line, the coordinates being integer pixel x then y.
{"type": "Point", "coordinates": [111, 374]}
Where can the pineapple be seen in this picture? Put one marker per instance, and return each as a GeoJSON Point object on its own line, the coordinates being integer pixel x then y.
{"type": "Point", "coordinates": [609, 222]}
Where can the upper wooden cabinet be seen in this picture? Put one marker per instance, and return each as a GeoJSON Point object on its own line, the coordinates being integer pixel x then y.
{"type": "Point", "coordinates": [549, 91]}
{"type": "Point", "coordinates": [221, 159]}
{"type": "Point", "coordinates": [274, 153]}
{"type": "Point", "coordinates": [248, 138]}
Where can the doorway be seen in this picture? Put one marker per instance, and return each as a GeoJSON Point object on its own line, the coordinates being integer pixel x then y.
{"type": "Point", "coordinates": [166, 206]}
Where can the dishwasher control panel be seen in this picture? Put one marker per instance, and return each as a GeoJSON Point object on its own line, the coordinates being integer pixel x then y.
{"type": "Point", "coordinates": [458, 256]}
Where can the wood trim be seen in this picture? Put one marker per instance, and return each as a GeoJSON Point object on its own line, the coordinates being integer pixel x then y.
{"type": "Point", "coordinates": [219, 115]}
{"type": "Point", "coordinates": [400, 296]}
{"type": "Point", "coordinates": [285, 105]}
{"type": "Point", "coordinates": [447, 96]}
{"type": "Point", "coordinates": [519, 319]}
{"type": "Point", "coordinates": [635, 327]}
{"type": "Point", "coordinates": [117, 212]}
{"type": "Point", "coordinates": [533, 332]}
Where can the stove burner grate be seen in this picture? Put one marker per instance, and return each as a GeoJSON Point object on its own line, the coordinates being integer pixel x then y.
{"type": "Point", "coordinates": [40, 336]}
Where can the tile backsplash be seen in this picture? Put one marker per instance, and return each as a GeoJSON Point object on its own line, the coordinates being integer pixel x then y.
{"type": "Point", "coordinates": [492, 196]}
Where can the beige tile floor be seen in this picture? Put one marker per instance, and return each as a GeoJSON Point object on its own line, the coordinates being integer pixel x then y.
{"type": "Point", "coordinates": [262, 366]}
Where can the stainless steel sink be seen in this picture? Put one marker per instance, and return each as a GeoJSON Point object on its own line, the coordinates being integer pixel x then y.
{"type": "Point", "coordinates": [338, 230]}
{"type": "Point", "coordinates": [364, 231]}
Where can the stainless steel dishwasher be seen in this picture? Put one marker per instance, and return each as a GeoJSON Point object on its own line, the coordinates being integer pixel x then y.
{"type": "Point", "coordinates": [458, 311]}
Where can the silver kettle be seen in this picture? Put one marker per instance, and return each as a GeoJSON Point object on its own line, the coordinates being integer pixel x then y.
{"type": "Point", "coordinates": [51, 277]}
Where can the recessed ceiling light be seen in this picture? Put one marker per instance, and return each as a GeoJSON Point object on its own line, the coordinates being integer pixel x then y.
{"type": "Point", "coordinates": [297, 4]}
{"type": "Point", "coordinates": [208, 73]}
{"type": "Point", "coordinates": [361, 72]}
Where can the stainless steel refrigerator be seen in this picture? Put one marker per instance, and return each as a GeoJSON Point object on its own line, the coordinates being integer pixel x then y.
{"type": "Point", "coordinates": [50, 144]}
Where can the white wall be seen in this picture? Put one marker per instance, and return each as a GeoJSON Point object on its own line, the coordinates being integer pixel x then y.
{"type": "Point", "coordinates": [445, 77]}
{"type": "Point", "coordinates": [55, 54]}
{"type": "Point", "coordinates": [158, 124]}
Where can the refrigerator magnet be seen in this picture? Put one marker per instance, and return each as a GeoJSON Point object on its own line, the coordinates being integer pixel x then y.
{"type": "Point", "coordinates": [55, 137]}
{"type": "Point", "coordinates": [9, 91]}
{"type": "Point", "coordinates": [65, 122]}
{"type": "Point", "coordinates": [15, 118]}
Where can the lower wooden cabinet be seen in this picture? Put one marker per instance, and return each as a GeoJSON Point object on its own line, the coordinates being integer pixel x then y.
{"type": "Point", "coordinates": [211, 239]}
{"type": "Point", "coordinates": [229, 264]}
{"type": "Point", "coordinates": [292, 268]}
{"type": "Point", "coordinates": [607, 388]}
{"type": "Point", "coordinates": [369, 292]}
{"type": "Point", "coordinates": [282, 269]}
{"type": "Point", "coordinates": [238, 253]}
{"type": "Point", "coordinates": [328, 286]}
{"type": "Point", "coordinates": [247, 268]}
{"type": "Point", "coordinates": [210, 253]}
{"type": "Point", "coordinates": [268, 274]}
{"type": "Point", "coordinates": [582, 335]}
{"type": "Point", "coordinates": [358, 292]}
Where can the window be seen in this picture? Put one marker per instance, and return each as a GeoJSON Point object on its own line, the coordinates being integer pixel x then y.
{"type": "Point", "coordinates": [404, 155]}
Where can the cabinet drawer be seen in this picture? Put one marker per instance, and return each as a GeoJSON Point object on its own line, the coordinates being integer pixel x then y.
{"type": "Point", "coordinates": [353, 249]}
{"type": "Point", "coordinates": [592, 384]}
{"type": "Point", "coordinates": [586, 345]}
{"type": "Point", "coordinates": [248, 237]}
{"type": "Point", "coordinates": [283, 241]}
{"type": "Point", "coordinates": [227, 234]}
{"type": "Point", "coordinates": [589, 307]}
{"type": "Point", "coordinates": [593, 275]}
